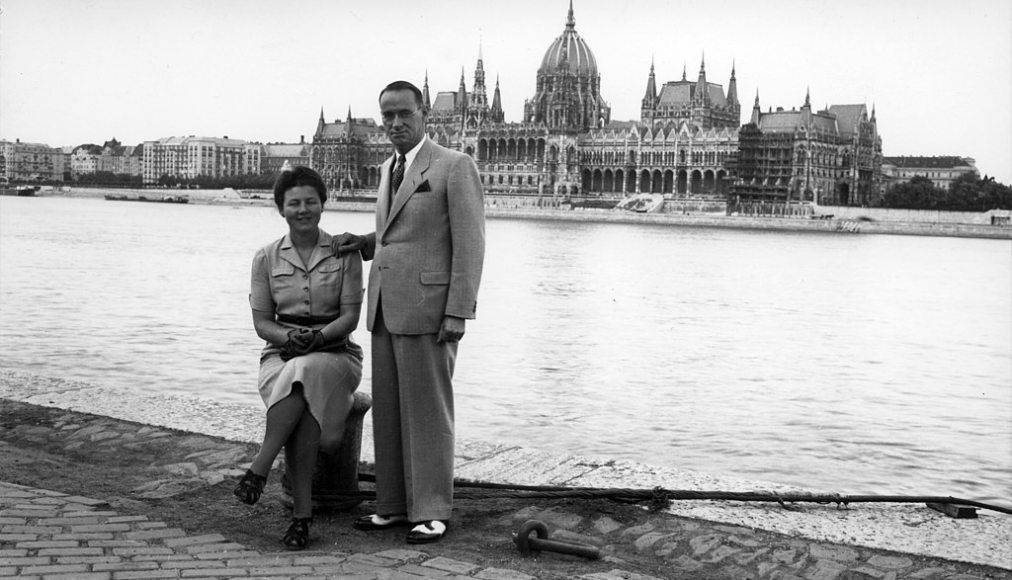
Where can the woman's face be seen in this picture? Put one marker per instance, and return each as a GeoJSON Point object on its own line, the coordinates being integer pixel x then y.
{"type": "Point", "coordinates": [302, 209]}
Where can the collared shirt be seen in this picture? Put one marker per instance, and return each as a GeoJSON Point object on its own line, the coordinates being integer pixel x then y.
{"type": "Point", "coordinates": [282, 284]}
{"type": "Point", "coordinates": [409, 157]}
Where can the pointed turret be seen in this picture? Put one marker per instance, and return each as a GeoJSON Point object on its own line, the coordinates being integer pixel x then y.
{"type": "Point", "coordinates": [702, 93]}
{"type": "Point", "coordinates": [462, 93]}
{"type": "Point", "coordinates": [496, 112]}
{"type": "Point", "coordinates": [320, 124]}
{"type": "Point", "coordinates": [648, 105]}
{"type": "Point", "coordinates": [651, 94]}
{"type": "Point", "coordinates": [349, 121]}
{"type": "Point", "coordinates": [479, 97]}
{"type": "Point", "coordinates": [684, 77]}
{"type": "Point", "coordinates": [756, 112]}
{"type": "Point", "coordinates": [808, 99]}
{"type": "Point", "coordinates": [570, 21]}
{"type": "Point", "coordinates": [732, 89]}
{"type": "Point", "coordinates": [425, 92]}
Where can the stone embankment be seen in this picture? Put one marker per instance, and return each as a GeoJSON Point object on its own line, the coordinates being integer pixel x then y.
{"type": "Point", "coordinates": [162, 451]}
{"type": "Point", "coordinates": [850, 220]}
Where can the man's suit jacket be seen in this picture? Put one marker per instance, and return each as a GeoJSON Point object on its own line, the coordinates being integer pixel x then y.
{"type": "Point", "coordinates": [429, 243]}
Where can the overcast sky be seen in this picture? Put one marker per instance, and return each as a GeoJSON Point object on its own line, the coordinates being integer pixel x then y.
{"type": "Point", "coordinates": [938, 72]}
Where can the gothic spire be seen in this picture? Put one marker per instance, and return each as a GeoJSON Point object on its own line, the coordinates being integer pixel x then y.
{"type": "Point", "coordinates": [756, 113]}
{"type": "Point", "coordinates": [651, 94]}
{"type": "Point", "coordinates": [702, 91]}
{"type": "Point", "coordinates": [808, 98]}
{"type": "Point", "coordinates": [732, 88]}
{"type": "Point", "coordinates": [570, 21]}
{"type": "Point", "coordinates": [425, 91]}
{"type": "Point", "coordinates": [320, 124]}
{"type": "Point", "coordinates": [496, 112]}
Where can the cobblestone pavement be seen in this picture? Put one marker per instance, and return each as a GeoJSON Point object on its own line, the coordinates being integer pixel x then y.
{"type": "Point", "coordinates": [50, 535]}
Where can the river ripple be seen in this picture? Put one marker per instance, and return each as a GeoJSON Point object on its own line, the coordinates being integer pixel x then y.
{"type": "Point", "coordinates": [849, 363]}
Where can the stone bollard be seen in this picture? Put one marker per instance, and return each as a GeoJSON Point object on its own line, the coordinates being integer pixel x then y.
{"type": "Point", "coordinates": [336, 473]}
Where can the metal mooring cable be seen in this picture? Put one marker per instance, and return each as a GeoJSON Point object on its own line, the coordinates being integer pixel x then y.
{"type": "Point", "coordinates": [659, 498]}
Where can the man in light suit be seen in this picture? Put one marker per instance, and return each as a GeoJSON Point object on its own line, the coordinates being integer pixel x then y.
{"type": "Point", "coordinates": [427, 253]}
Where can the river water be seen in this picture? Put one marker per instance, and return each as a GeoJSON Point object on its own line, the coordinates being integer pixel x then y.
{"type": "Point", "coordinates": [846, 363]}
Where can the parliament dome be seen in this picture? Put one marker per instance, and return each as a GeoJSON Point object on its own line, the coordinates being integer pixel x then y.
{"type": "Point", "coordinates": [572, 49]}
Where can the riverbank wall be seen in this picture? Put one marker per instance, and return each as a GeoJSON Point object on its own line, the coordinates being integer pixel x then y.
{"type": "Point", "coordinates": [898, 532]}
{"type": "Point", "coordinates": [832, 219]}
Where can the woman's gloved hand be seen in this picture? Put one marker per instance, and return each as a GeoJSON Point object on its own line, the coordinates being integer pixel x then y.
{"type": "Point", "coordinates": [302, 341]}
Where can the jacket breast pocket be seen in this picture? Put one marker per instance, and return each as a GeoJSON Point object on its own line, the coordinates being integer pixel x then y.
{"type": "Point", "coordinates": [435, 278]}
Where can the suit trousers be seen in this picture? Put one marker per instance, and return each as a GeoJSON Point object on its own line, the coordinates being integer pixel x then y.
{"type": "Point", "coordinates": [413, 432]}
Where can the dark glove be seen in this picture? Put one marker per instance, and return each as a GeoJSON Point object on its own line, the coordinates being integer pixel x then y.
{"type": "Point", "coordinates": [298, 340]}
{"type": "Point", "coordinates": [309, 342]}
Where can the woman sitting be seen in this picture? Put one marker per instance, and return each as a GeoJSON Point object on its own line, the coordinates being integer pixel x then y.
{"type": "Point", "coordinates": [306, 302]}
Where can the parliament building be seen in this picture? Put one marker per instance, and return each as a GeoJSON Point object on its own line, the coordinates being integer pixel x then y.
{"type": "Point", "coordinates": [686, 144]}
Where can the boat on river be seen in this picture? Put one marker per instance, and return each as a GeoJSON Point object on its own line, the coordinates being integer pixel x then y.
{"type": "Point", "coordinates": [21, 190]}
{"type": "Point", "coordinates": [642, 203]}
{"type": "Point", "coordinates": [163, 199]}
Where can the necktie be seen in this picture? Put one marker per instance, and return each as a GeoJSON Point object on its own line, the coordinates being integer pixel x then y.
{"type": "Point", "coordinates": [397, 177]}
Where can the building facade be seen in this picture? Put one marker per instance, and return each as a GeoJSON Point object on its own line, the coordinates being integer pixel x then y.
{"type": "Point", "coordinates": [941, 170]}
{"type": "Point", "coordinates": [30, 162]}
{"type": "Point", "coordinates": [830, 157]}
{"type": "Point", "coordinates": [192, 157]}
{"type": "Point", "coordinates": [684, 145]}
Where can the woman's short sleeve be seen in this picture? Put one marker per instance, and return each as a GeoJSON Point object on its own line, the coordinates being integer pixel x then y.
{"type": "Point", "coordinates": [260, 284]}
{"type": "Point", "coordinates": [351, 285]}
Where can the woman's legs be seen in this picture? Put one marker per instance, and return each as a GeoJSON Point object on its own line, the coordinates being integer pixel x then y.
{"type": "Point", "coordinates": [282, 419]}
{"type": "Point", "coordinates": [300, 454]}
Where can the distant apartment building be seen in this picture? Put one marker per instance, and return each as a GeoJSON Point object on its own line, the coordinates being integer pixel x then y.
{"type": "Point", "coordinates": [941, 170]}
{"type": "Point", "coordinates": [831, 157]}
{"type": "Point", "coordinates": [111, 157]}
{"type": "Point", "coordinates": [85, 159]}
{"type": "Point", "coordinates": [254, 158]}
{"type": "Point", "coordinates": [24, 162]}
{"type": "Point", "coordinates": [192, 157]}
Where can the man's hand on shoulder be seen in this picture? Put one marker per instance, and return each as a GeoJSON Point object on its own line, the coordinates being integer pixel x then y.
{"type": "Point", "coordinates": [347, 242]}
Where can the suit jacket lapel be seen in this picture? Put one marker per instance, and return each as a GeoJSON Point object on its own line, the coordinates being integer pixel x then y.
{"type": "Point", "coordinates": [383, 197]}
{"type": "Point", "coordinates": [414, 176]}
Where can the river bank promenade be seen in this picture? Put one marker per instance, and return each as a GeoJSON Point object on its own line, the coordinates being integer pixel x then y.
{"type": "Point", "coordinates": [162, 457]}
{"type": "Point", "coordinates": [854, 222]}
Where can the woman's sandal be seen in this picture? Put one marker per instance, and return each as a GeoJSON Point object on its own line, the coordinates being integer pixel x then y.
{"type": "Point", "coordinates": [297, 536]}
{"type": "Point", "coordinates": [250, 487]}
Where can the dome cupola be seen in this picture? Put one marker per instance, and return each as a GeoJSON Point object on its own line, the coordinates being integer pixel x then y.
{"type": "Point", "coordinates": [569, 50]}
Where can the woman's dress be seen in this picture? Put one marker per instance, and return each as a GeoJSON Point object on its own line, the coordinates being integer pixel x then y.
{"type": "Point", "coordinates": [308, 295]}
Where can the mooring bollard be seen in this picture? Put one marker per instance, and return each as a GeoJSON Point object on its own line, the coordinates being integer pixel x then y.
{"type": "Point", "coordinates": [527, 544]}
{"type": "Point", "coordinates": [337, 474]}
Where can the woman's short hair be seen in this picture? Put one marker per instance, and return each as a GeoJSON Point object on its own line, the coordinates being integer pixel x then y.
{"type": "Point", "coordinates": [294, 177]}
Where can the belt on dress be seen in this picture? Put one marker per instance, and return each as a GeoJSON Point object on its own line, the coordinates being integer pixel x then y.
{"type": "Point", "coordinates": [306, 320]}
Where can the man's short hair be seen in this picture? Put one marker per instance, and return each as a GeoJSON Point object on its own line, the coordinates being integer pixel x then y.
{"type": "Point", "coordinates": [404, 86]}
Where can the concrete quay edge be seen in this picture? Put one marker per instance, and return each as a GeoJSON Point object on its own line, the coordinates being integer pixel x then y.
{"type": "Point", "coordinates": [910, 529]}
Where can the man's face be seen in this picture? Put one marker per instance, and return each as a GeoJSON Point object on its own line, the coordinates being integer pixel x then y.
{"type": "Point", "coordinates": [403, 119]}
